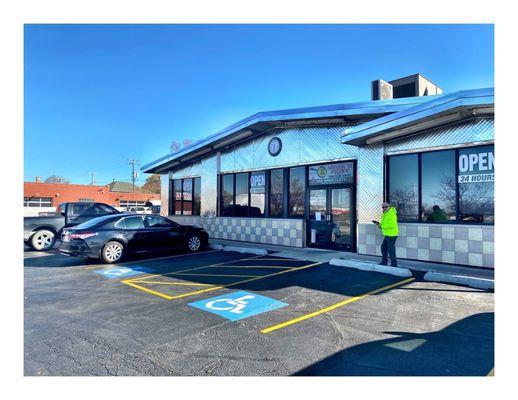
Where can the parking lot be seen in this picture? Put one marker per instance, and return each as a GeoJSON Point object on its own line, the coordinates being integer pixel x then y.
{"type": "Point", "coordinates": [226, 313]}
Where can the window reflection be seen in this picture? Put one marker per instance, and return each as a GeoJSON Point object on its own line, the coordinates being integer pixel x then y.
{"type": "Point", "coordinates": [403, 176]}
{"type": "Point", "coordinates": [476, 184]}
{"type": "Point", "coordinates": [276, 192]}
{"type": "Point", "coordinates": [297, 191]}
{"type": "Point", "coordinates": [438, 186]}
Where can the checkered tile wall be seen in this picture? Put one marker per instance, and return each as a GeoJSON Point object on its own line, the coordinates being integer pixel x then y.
{"type": "Point", "coordinates": [452, 244]}
{"type": "Point", "coordinates": [284, 232]}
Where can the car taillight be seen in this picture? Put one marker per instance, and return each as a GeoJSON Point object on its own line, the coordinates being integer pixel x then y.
{"type": "Point", "coordinates": [84, 235]}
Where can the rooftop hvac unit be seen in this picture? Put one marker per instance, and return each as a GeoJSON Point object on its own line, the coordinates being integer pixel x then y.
{"type": "Point", "coordinates": [381, 90]}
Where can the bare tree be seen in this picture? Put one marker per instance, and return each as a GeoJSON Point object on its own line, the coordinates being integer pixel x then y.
{"type": "Point", "coordinates": [474, 198]}
{"type": "Point", "coordinates": [177, 146]}
{"type": "Point", "coordinates": [56, 179]}
{"type": "Point", "coordinates": [405, 201]}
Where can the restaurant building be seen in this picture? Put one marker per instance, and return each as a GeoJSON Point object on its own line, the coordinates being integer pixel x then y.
{"type": "Point", "coordinates": [317, 176]}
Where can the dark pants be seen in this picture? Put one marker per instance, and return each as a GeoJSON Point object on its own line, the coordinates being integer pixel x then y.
{"type": "Point", "coordinates": [389, 247]}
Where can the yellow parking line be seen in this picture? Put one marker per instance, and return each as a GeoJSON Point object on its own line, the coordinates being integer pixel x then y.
{"type": "Point", "coordinates": [194, 269]}
{"type": "Point", "coordinates": [233, 276]}
{"type": "Point", "coordinates": [333, 307]}
{"type": "Point", "coordinates": [164, 296]}
{"type": "Point", "coordinates": [210, 289]}
{"type": "Point", "coordinates": [175, 283]}
{"type": "Point", "coordinates": [244, 281]}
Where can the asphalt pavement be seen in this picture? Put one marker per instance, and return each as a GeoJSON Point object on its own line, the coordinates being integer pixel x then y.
{"type": "Point", "coordinates": [232, 314]}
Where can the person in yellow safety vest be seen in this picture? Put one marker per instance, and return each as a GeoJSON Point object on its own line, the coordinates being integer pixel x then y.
{"type": "Point", "coordinates": [389, 230]}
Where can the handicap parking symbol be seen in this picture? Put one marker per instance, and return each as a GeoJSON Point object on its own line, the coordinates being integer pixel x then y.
{"type": "Point", "coordinates": [238, 305]}
{"type": "Point", "coordinates": [122, 272]}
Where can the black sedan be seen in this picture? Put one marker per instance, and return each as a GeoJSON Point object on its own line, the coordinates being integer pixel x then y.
{"type": "Point", "coordinates": [112, 237]}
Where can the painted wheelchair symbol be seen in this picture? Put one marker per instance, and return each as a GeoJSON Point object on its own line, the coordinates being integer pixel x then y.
{"type": "Point", "coordinates": [232, 305]}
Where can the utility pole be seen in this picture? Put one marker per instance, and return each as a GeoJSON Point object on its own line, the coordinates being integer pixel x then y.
{"type": "Point", "coordinates": [133, 173]}
{"type": "Point", "coordinates": [92, 182]}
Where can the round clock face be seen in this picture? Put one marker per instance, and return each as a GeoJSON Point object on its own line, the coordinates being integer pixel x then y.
{"type": "Point", "coordinates": [275, 146]}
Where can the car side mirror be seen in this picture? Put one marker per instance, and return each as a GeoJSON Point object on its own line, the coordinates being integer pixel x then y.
{"type": "Point", "coordinates": [63, 213]}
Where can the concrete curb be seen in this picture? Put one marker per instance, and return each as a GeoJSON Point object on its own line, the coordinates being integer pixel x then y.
{"type": "Point", "coordinates": [366, 266]}
{"type": "Point", "coordinates": [249, 250]}
{"type": "Point", "coordinates": [215, 246]}
{"type": "Point", "coordinates": [478, 283]}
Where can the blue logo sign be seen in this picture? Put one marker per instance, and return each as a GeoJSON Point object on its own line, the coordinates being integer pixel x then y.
{"type": "Point", "coordinates": [238, 305]}
{"type": "Point", "coordinates": [122, 272]}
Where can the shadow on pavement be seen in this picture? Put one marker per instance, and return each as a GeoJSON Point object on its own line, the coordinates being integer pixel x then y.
{"type": "Point", "coordinates": [464, 348]}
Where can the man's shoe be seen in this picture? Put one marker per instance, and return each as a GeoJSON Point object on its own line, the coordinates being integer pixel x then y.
{"type": "Point", "coordinates": [382, 263]}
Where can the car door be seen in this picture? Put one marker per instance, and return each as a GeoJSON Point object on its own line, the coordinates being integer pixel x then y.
{"type": "Point", "coordinates": [165, 233]}
{"type": "Point", "coordinates": [134, 233]}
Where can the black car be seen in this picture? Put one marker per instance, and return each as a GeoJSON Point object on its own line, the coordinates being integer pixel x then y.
{"type": "Point", "coordinates": [113, 237]}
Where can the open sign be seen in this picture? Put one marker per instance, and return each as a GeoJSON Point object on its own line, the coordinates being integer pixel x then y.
{"type": "Point", "coordinates": [476, 165]}
{"type": "Point", "coordinates": [476, 162]}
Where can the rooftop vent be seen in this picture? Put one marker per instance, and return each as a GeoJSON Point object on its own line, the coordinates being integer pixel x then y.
{"type": "Point", "coordinates": [409, 86]}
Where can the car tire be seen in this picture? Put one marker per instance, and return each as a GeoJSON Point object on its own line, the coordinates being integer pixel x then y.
{"type": "Point", "coordinates": [43, 240]}
{"type": "Point", "coordinates": [113, 252]}
{"type": "Point", "coordinates": [194, 243]}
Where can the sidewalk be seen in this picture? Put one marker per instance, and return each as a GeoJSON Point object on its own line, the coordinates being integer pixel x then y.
{"type": "Point", "coordinates": [321, 255]}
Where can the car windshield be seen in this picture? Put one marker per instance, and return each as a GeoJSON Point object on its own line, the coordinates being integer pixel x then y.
{"type": "Point", "coordinates": [93, 222]}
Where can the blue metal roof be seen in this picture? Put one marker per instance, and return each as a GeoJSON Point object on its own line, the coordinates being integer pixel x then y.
{"type": "Point", "coordinates": [328, 111]}
{"type": "Point", "coordinates": [439, 105]}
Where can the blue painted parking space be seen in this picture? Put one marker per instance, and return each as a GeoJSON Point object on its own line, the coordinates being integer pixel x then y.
{"type": "Point", "coordinates": [238, 305]}
{"type": "Point", "coordinates": [123, 272]}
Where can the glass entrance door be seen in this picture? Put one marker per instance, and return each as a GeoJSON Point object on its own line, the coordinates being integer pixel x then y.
{"type": "Point", "coordinates": [341, 218]}
{"type": "Point", "coordinates": [331, 218]}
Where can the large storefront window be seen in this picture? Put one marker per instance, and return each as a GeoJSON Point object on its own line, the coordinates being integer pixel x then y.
{"type": "Point", "coordinates": [227, 196]}
{"type": "Point", "coordinates": [447, 185]}
{"type": "Point", "coordinates": [476, 184]}
{"type": "Point", "coordinates": [276, 193]}
{"type": "Point", "coordinates": [184, 196]}
{"type": "Point", "coordinates": [438, 186]}
{"type": "Point", "coordinates": [266, 193]}
{"type": "Point", "coordinates": [297, 192]}
{"type": "Point", "coordinates": [403, 187]}
{"type": "Point", "coordinates": [241, 203]}
{"type": "Point", "coordinates": [257, 193]}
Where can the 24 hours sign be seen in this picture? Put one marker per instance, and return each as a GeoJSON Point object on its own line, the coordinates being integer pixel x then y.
{"type": "Point", "coordinates": [476, 165]}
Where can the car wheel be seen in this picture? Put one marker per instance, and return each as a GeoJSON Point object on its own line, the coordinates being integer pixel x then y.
{"type": "Point", "coordinates": [43, 240]}
{"type": "Point", "coordinates": [194, 243]}
{"type": "Point", "coordinates": [112, 252]}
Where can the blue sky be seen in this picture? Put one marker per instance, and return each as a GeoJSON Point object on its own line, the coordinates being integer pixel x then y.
{"type": "Point", "coordinates": [97, 95]}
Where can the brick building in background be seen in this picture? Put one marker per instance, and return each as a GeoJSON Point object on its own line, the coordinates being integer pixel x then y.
{"type": "Point", "coordinates": [45, 197]}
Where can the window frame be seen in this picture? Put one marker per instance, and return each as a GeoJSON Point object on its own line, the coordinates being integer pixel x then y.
{"type": "Point", "coordinates": [172, 196]}
{"type": "Point", "coordinates": [420, 220]}
{"type": "Point", "coordinates": [37, 202]}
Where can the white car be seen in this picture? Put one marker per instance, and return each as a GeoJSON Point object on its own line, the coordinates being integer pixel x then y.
{"type": "Point", "coordinates": [139, 210]}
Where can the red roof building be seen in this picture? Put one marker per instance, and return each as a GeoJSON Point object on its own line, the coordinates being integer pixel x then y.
{"type": "Point", "coordinates": [48, 196]}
